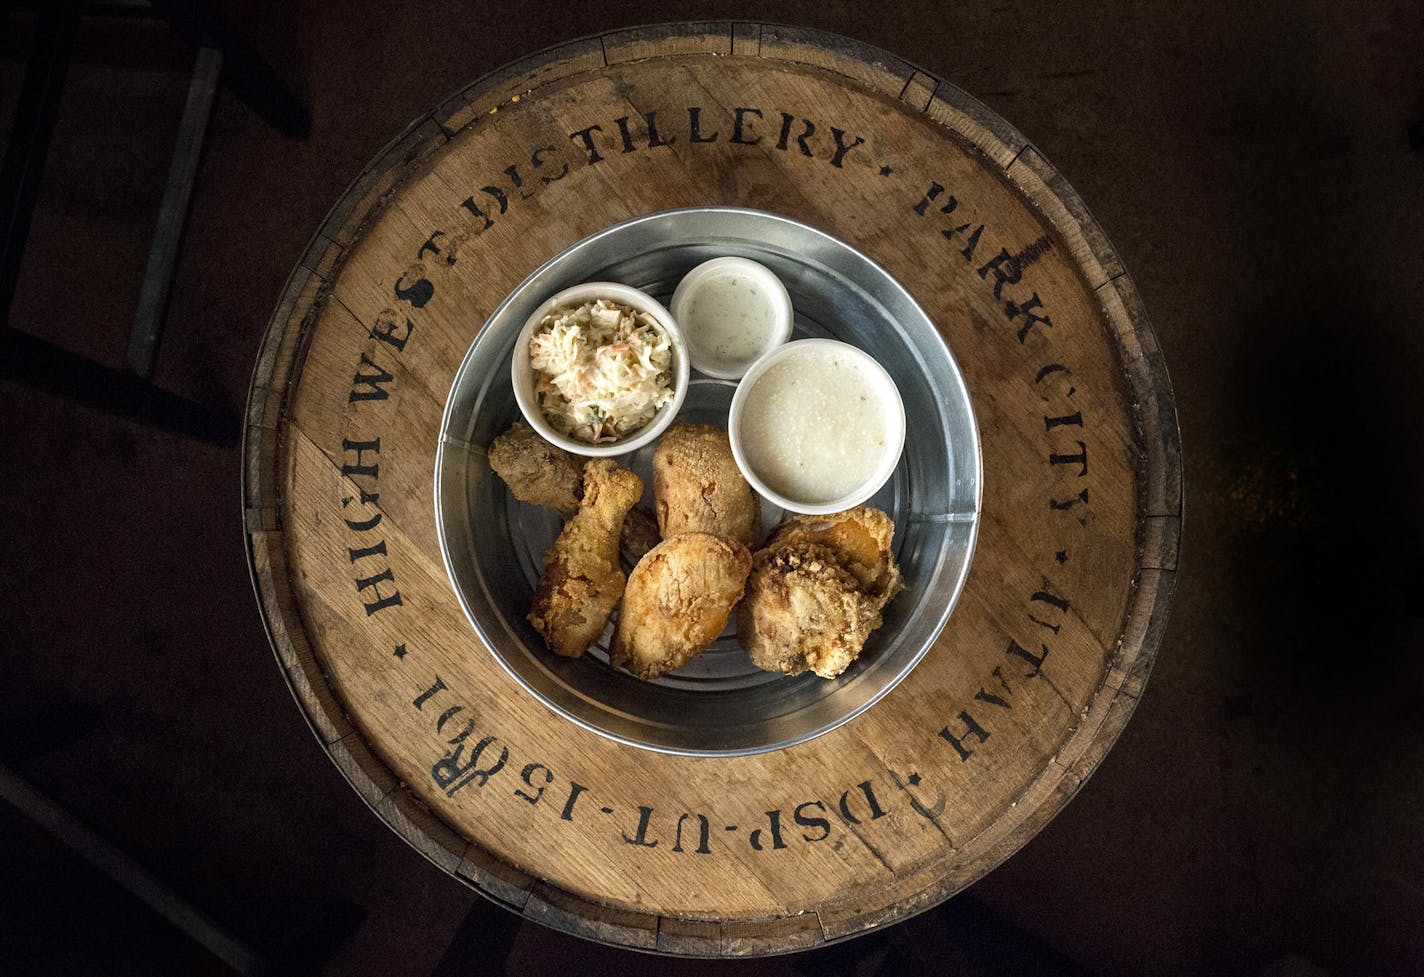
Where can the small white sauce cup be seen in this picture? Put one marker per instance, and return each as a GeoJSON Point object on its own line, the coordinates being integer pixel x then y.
{"type": "Point", "coordinates": [885, 389]}
{"type": "Point", "coordinates": [524, 376]}
{"type": "Point", "coordinates": [772, 296]}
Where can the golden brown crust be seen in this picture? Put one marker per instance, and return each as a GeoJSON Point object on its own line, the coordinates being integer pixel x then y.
{"type": "Point", "coordinates": [677, 601]}
{"type": "Point", "coordinates": [582, 581]}
{"type": "Point", "coordinates": [640, 534]}
{"type": "Point", "coordinates": [858, 538]}
{"type": "Point", "coordinates": [804, 611]}
{"type": "Point", "coordinates": [700, 489]}
{"type": "Point", "coordinates": [536, 471]}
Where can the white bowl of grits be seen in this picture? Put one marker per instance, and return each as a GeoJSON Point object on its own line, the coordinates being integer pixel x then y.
{"type": "Point", "coordinates": [817, 426]}
{"type": "Point", "coordinates": [600, 369]}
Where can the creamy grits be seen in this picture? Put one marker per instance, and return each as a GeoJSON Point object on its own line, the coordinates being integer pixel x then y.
{"type": "Point", "coordinates": [815, 426]}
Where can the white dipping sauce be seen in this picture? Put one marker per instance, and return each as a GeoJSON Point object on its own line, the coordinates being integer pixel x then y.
{"type": "Point", "coordinates": [732, 311]}
{"type": "Point", "coordinates": [728, 319]}
{"type": "Point", "coordinates": [816, 425]}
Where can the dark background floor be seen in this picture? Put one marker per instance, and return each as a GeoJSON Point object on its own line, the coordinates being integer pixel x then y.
{"type": "Point", "coordinates": [1261, 814]}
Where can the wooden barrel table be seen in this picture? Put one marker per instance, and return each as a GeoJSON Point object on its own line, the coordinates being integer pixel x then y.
{"type": "Point", "coordinates": [1016, 702]}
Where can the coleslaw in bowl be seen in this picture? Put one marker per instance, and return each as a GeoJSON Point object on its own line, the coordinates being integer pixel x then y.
{"type": "Point", "coordinates": [600, 369]}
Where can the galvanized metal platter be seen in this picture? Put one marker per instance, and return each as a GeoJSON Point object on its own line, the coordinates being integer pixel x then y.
{"type": "Point", "coordinates": [719, 704]}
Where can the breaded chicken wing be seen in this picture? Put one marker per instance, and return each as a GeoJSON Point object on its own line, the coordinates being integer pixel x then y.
{"type": "Point", "coordinates": [540, 473]}
{"type": "Point", "coordinates": [858, 538]}
{"type": "Point", "coordinates": [677, 601]}
{"type": "Point", "coordinates": [700, 489]}
{"type": "Point", "coordinates": [804, 611]}
{"type": "Point", "coordinates": [536, 471]}
{"type": "Point", "coordinates": [582, 581]}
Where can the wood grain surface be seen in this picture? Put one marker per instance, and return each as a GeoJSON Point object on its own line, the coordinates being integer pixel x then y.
{"type": "Point", "coordinates": [1019, 699]}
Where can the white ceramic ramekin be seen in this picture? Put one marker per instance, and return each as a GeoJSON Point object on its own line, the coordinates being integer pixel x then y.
{"type": "Point", "coordinates": [524, 376]}
{"type": "Point", "coordinates": [885, 390]}
{"type": "Point", "coordinates": [771, 295]}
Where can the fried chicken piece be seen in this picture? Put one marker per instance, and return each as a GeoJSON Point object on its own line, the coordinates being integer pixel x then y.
{"type": "Point", "coordinates": [540, 473]}
{"type": "Point", "coordinates": [640, 534]}
{"type": "Point", "coordinates": [677, 602]}
{"type": "Point", "coordinates": [858, 538]}
{"type": "Point", "coordinates": [536, 471]}
{"type": "Point", "coordinates": [700, 489]}
{"type": "Point", "coordinates": [582, 581]}
{"type": "Point", "coordinates": [804, 611]}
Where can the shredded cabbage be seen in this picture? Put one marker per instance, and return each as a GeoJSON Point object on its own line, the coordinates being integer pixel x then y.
{"type": "Point", "coordinates": [604, 370]}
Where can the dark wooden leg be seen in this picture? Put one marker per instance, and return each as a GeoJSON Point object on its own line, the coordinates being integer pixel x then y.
{"type": "Point", "coordinates": [173, 214]}
{"type": "Point", "coordinates": [29, 137]}
{"type": "Point", "coordinates": [128, 873]}
{"type": "Point", "coordinates": [36, 363]}
{"type": "Point", "coordinates": [307, 954]}
{"type": "Point", "coordinates": [482, 943]}
{"type": "Point", "coordinates": [47, 728]}
{"type": "Point", "coordinates": [44, 366]}
{"type": "Point", "coordinates": [303, 956]}
{"type": "Point", "coordinates": [245, 72]}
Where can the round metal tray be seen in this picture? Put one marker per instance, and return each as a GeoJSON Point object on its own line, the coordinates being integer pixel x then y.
{"type": "Point", "coordinates": [719, 704]}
